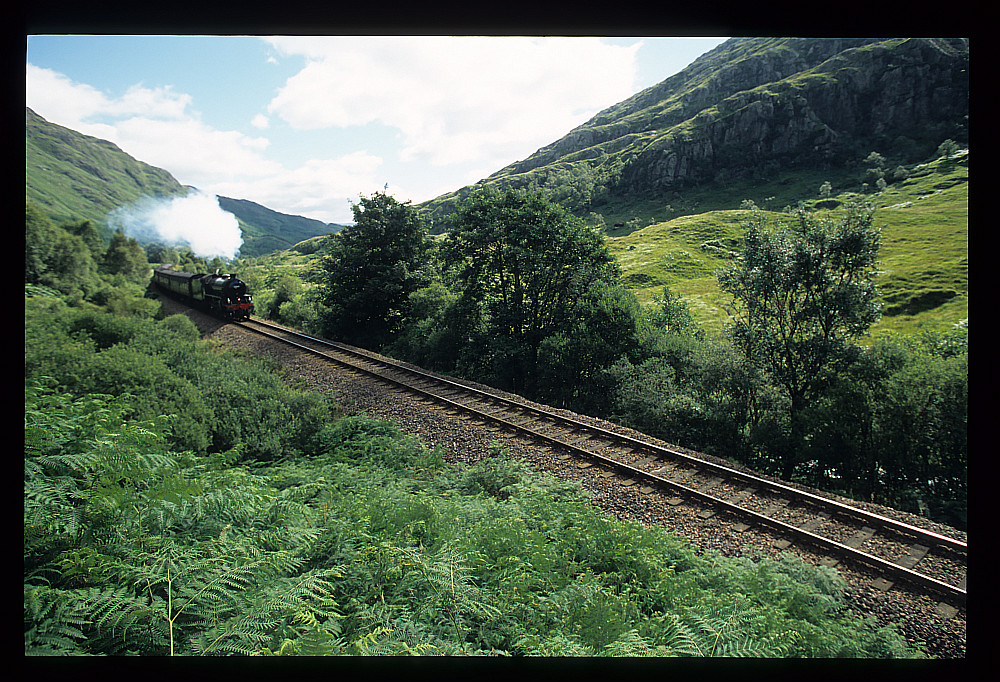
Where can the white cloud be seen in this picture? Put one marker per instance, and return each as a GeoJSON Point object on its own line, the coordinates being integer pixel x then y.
{"type": "Point", "coordinates": [160, 102]}
{"type": "Point", "coordinates": [318, 189]}
{"type": "Point", "coordinates": [457, 103]}
{"type": "Point", "coordinates": [56, 98]}
{"type": "Point", "coordinates": [193, 152]}
{"type": "Point", "coordinates": [154, 125]}
{"type": "Point", "coordinates": [487, 99]}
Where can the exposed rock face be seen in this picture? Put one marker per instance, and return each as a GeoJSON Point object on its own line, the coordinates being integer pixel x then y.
{"type": "Point", "coordinates": [883, 95]}
{"type": "Point", "coordinates": [752, 105]}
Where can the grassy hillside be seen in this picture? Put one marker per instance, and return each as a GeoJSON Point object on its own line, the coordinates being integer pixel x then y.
{"type": "Point", "coordinates": [77, 177]}
{"type": "Point", "coordinates": [925, 247]}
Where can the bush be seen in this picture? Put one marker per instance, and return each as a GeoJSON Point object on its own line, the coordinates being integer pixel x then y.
{"type": "Point", "coordinates": [216, 401]}
{"type": "Point", "coordinates": [360, 438]}
{"type": "Point", "coordinates": [356, 550]}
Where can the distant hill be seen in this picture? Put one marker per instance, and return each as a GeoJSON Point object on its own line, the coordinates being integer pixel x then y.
{"type": "Point", "coordinates": [72, 176]}
{"type": "Point", "coordinates": [746, 111]}
{"type": "Point", "coordinates": [266, 231]}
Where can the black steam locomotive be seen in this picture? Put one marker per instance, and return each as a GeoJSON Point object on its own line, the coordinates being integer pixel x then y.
{"type": "Point", "coordinates": [222, 295]}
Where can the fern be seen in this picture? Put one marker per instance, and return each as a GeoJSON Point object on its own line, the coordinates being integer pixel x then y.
{"type": "Point", "coordinates": [51, 626]}
{"type": "Point", "coordinates": [677, 638]}
{"type": "Point", "coordinates": [79, 621]}
{"type": "Point", "coordinates": [130, 549]}
{"type": "Point", "coordinates": [553, 645]}
{"type": "Point", "coordinates": [730, 631]}
{"type": "Point", "coordinates": [632, 645]}
{"type": "Point", "coordinates": [450, 581]}
{"type": "Point", "coordinates": [382, 642]}
{"type": "Point", "coordinates": [299, 601]}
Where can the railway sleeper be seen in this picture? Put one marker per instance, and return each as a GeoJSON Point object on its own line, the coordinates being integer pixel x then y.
{"type": "Point", "coordinates": [710, 484]}
{"type": "Point", "coordinates": [860, 538]}
{"type": "Point", "coordinates": [596, 447]}
{"type": "Point", "coordinates": [814, 523]}
{"type": "Point", "coordinates": [741, 495]}
{"type": "Point", "coordinates": [913, 557]}
{"type": "Point", "coordinates": [809, 526]}
{"type": "Point", "coordinates": [639, 450]}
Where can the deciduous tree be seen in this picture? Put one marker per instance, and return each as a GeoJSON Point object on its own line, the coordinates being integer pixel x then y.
{"type": "Point", "coordinates": [801, 296]}
{"type": "Point", "coordinates": [125, 257]}
{"type": "Point", "coordinates": [370, 268]}
{"type": "Point", "coordinates": [521, 263]}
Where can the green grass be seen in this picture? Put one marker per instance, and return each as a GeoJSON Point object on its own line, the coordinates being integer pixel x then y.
{"type": "Point", "coordinates": [924, 276]}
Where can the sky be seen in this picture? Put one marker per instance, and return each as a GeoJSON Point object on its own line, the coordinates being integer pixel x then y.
{"type": "Point", "coordinates": [306, 125]}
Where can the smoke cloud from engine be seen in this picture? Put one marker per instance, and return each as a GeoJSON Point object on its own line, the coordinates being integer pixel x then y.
{"type": "Point", "coordinates": [195, 220]}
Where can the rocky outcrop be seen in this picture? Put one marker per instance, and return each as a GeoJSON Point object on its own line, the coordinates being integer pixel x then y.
{"type": "Point", "coordinates": [893, 96]}
{"type": "Point", "coordinates": [753, 105]}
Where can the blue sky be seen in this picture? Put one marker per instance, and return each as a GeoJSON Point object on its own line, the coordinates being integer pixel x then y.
{"type": "Point", "coordinates": [304, 125]}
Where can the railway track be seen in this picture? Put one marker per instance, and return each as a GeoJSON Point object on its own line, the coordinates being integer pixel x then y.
{"type": "Point", "coordinates": [897, 553]}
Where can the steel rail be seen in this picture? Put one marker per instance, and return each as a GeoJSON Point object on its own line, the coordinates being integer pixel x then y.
{"type": "Point", "coordinates": [858, 555]}
{"type": "Point", "coordinates": [899, 526]}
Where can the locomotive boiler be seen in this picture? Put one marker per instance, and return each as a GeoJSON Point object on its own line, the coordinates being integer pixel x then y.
{"type": "Point", "coordinates": [222, 295]}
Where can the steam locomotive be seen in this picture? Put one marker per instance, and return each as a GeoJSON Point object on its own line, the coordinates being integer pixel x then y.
{"type": "Point", "coordinates": [222, 295]}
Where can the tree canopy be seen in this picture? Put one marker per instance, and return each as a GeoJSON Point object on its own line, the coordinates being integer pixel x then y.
{"type": "Point", "coordinates": [369, 270]}
{"type": "Point", "coordinates": [801, 295]}
{"type": "Point", "coordinates": [521, 263]}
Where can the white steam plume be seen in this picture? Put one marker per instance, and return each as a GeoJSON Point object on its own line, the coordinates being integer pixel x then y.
{"type": "Point", "coordinates": [195, 220]}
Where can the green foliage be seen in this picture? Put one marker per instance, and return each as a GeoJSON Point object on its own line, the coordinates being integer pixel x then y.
{"type": "Point", "coordinates": [369, 545]}
{"type": "Point", "coordinates": [369, 270]}
{"type": "Point", "coordinates": [56, 258]}
{"type": "Point", "coordinates": [493, 476]}
{"type": "Point", "coordinates": [801, 296]}
{"type": "Point", "coordinates": [921, 434]}
{"type": "Point", "coordinates": [159, 363]}
{"type": "Point", "coordinates": [427, 339]}
{"type": "Point", "coordinates": [125, 257]}
{"type": "Point", "coordinates": [125, 551]}
{"type": "Point", "coordinates": [947, 149]}
{"type": "Point", "coordinates": [286, 288]}
{"type": "Point", "coordinates": [520, 263]}
{"type": "Point", "coordinates": [374, 442]}
{"type": "Point", "coordinates": [607, 325]}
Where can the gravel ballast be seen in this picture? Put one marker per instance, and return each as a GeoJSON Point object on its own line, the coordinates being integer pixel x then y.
{"type": "Point", "coordinates": [468, 441]}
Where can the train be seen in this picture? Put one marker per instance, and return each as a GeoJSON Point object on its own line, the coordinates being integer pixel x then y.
{"type": "Point", "coordinates": [225, 296]}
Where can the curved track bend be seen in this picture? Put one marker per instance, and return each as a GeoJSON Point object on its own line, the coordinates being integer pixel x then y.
{"type": "Point", "coordinates": [896, 551]}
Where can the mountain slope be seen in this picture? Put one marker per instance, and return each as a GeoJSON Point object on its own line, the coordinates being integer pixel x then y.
{"type": "Point", "coordinates": [72, 176]}
{"type": "Point", "coordinates": [748, 109]}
